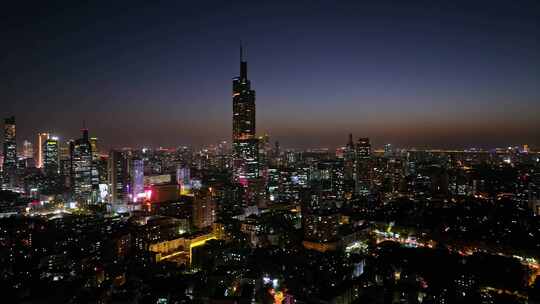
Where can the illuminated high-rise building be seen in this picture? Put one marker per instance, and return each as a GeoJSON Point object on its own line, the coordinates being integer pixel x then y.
{"type": "Point", "coordinates": [119, 177]}
{"type": "Point", "coordinates": [183, 178]}
{"type": "Point", "coordinates": [95, 162]}
{"type": "Point", "coordinates": [363, 166]}
{"type": "Point", "coordinates": [42, 137]}
{"type": "Point", "coordinates": [100, 168]}
{"type": "Point", "coordinates": [10, 145]}
{"type": "Point", "coordinates": [204, 208]}
{"type": "Point", "coordinates": [245, 143]}
{"type": "Point", "coordinates": [137, 179]}
{"type": "Point", "coordinates": [28, 149]}
{"type": "Point", "coordinates": [51, 156]}
{"type": "Point", "coordinates": [94, 145]}
{"type": "Point", "coordinates": [10, 153]}
{"type": "Point", "coordinates": [64, 149]}
{"type": "Point", "coordinates": [65, 163]}
{"type": "Point", "coordinates": [81, 168]}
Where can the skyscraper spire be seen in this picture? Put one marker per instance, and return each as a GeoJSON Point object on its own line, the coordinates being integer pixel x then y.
{"type": "Point", "coordinates": [243, 64]}
{"type": "Point", "coordinates": [241, 52]}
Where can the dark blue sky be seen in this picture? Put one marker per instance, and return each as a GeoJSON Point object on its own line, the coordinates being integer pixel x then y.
{"type": "Point", "coordinates": [428, 74]}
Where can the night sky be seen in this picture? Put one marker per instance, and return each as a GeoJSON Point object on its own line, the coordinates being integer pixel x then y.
{"type": "Point", "coordinates": [428, 74]}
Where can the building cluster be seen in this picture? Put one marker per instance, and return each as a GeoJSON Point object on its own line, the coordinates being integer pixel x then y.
{"type": "Point", "coordinates": [249, 221]}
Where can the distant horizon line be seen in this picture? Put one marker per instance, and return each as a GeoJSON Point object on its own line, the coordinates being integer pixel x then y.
{"type": "Point", "coordinates": [419, 147]}
{"type": "Point", "coordinates": [376, 149]}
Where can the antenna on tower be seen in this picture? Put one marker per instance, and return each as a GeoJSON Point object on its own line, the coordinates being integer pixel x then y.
{"type": "Point", "coordinates": [241, 52]}
{"type": "Point", "coordinates": [243, 64]}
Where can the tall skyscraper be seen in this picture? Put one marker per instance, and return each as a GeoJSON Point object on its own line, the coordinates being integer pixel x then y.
{"type": "Point", "coordinates": [10, 153]}
{"type": "Point", "coordinates": [28, 149]}
{"type": "Point", "coordinates": [42, 137]}
{"type": "Point", "coordinates": [81, 168]}
{"type": "Point", "coordinates": [348, 157]}
{"type": "Point", "coordinates": [245, 143]}
{"type": "Point", "coordinates": [51, 156]}
{"type": "Point", "coordinates": [94, 145]}
{"type": "Point", "coordinates": [119, 177]}
{"type": "Point", "coordinates": [363, 166]}
{"type": "Point", "coordinates": [65, 163]}
{"type": "Point", "coordinates": [10, 144]}
{"type": "Point", "coordinates": [137, 178]}
{"type": "Point", "coordinates": [95, 162]}
{"type": "Point", "coordinates": [183, 178]}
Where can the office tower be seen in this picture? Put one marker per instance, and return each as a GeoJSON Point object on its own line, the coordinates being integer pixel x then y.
{"type": "Point", "coordinates": [204, 208]}
{"type": "Point", "coordinates": [101, 167]}
{"type": "Point", "coordinates": [183, 178]}
{"type": "Point", "coordinates": [223, 152]}
{"type": "Point", "coordinates": [51, 156]}
{"type": "Point", "coordinates": [329, 177]}
{"type": "Point", "coordinates": [42, 137]}
{"type": "Point", "coordinates": [119, 176]}
{"type": "Point", "coordinates": [28, 149]}
{"type": "Point", "coordinates": [348, 158]}
{"type": "Point", "coordinates": [65, 163]}
{"type": "Point", "coordinates": [363, 166]}
{"type": "Point", "coordinates": [81, 168]}
{"type": "Point", "coordinates": [137, 179]}
{"type": "Point", "coordinates": [245, 144]}
{"type": "Point", "coordinates": [265, 150]}
{"type": "Point", "coordinates": [95, 163]}
{"type": "Point", "coordinates": [273, 184]}
{"type": "Point", "coordinates": [10, 145]}
{"type": "Point", "coordinates": [9, 166]}
{"type": "Point", "coordinates": [64, 150]}
{"type": "Point", "coordinates": [94, 145]}
{"type": "Point", "coordinates": [27, 160]}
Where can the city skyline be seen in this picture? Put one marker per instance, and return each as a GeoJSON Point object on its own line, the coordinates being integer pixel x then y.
{"type": "Point", "coordinates": [283, 152]}
{"type": "Point", "coordinates": [414, 76]}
